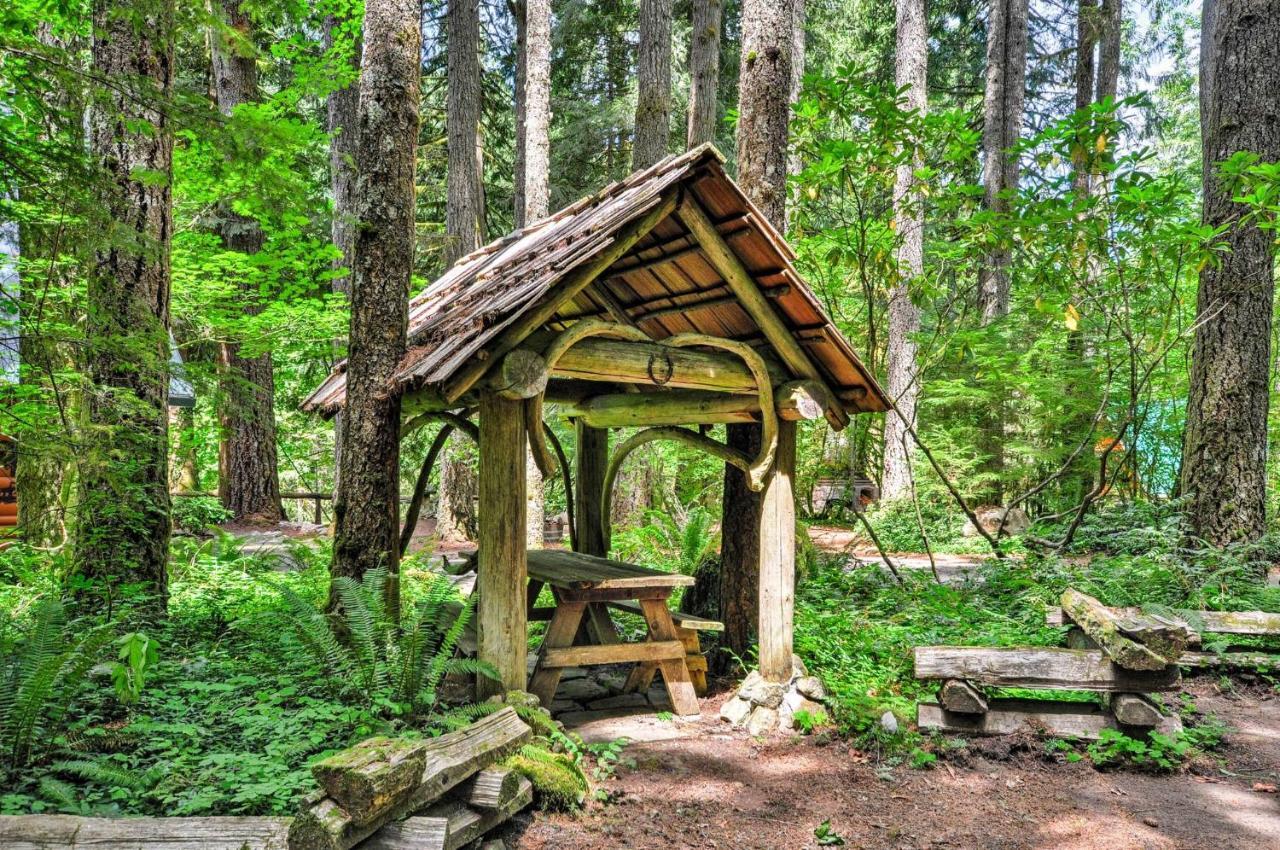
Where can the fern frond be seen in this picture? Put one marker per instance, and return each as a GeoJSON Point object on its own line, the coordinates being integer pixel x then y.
{"type": "Point", "coordinates": [362, 632]}
{"type": "Point", "coordinates": [105, 773]}
{"type": "Point", "coordinates": [61, 794]}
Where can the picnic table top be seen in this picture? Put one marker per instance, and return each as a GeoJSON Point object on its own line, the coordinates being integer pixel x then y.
{"type": "Point", "coordinates": [575, 571]}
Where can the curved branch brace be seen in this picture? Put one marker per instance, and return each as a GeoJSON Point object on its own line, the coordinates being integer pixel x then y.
{"type": "Point", "coordinates": [759, 468]}
{"type": "Point", "coordinates": [576, 333]}
{"type": "Point", "coordinates": [681, 435]}
{"type": "Point", "coordinates": [452, 422]}
{"type": "Point", "coordinates": [533, 426]}
{"type": "Point", "coordinates": [458, 421]}
{"type": "Point", "coordinates": [568, 484]}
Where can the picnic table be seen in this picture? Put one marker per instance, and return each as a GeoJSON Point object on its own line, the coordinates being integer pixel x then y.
{"type": "Point", "coordinates": [580, 632]}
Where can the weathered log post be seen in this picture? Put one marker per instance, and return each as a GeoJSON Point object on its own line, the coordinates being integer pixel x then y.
{"type": "Point", "coordinates": [592, 461]}
{"type": "Point", "coordinates": [778, 560]}
{"type": "Point", "coordinates": [503, 564]}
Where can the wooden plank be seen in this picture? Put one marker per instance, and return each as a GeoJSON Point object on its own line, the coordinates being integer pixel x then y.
{"type": "Point", "coordinates": [753, 300]}
{"type": "Point", "coordinates": [324, 825]}
{"type": "Point", "coordinates": [592, 459]}
{"type": "Point", "coordinates": [566, 289]}
{"type": "Point", "coordinates": [560, 632]}
{"type": "Point", "coordinates": [1230, 660]}
{"type": "Point", "coordinates": [613, 653]}
{"type": "Point", "coordinates": [778, 561]}
{"type": "Point", "coordinates": [462, 824]}
{"type": "Point", "coordinates": [1050, 668]}
{"type": "Point", "coordinates": [69, 832]}
{"type": "Point", "coordinates": [489, 789]}
{"type": "Point", "coordinates": [1101, 625]}
{"type": "Point", "coordinates": [681, 619]}
{"type": "Point", "coordinates": [1007, 716]}
{"type": "Point", "coordinates": [500, 617]}
{"type": "Point", "coordinates": [576, 571]}
{"type": "Point", "coordinates": [684, 700]}
{"type": "Point", "coordinates": [1217, 622]}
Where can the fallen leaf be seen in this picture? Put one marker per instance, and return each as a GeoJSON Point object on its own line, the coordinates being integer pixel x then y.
{"type": "Point", "coordinates": [1265, 787]}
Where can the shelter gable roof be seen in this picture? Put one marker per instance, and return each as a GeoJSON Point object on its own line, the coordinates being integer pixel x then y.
{"type": "Point", "coordinates": [664, 284]}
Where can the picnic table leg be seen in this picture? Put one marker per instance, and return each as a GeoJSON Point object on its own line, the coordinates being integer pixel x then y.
{"type": "Point", "coordinates": [560, 633]}
{"type": "Point", "coordinates": [675, 673]}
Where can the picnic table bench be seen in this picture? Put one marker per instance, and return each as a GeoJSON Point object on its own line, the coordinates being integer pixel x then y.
{"type": "Point", "coordinates": [580, 632]}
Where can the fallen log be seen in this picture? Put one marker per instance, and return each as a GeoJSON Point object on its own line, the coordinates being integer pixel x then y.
{"type": "Point", "coordinates": [1230, 660]}
{"type": "Point", "coordinates": [451, 824]}
{"type": "Point", "coordinates": [1047, 717]}
{"type": "Point", "coordinates": [326, 824]}
{"type": "Point", "coordinates": [489, 789]}
{"type": "Point", "coordinates": [961, 697]}
{"type": "Point", "coordinates": [1101, 624]}
{"type": "Point", "coordinates": [69, 832]}
{"type": "Point", "coordinates": [1218, 622]}
{"type": "Point", "coordinates": [1050, 668]}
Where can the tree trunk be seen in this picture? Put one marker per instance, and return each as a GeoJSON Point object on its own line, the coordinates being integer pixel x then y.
{"type": "Point", "coordinates": [1111, 31]}
{"type": "Point", "coordinates": [653, 91]}
{"type": "Point", "coordinates": [49, 253]}
{"type": "Point", "coordinates": [739, 548]}
{"type": "Point", "coordinates": [455, 512]}
{"type": "Point", "coordinates": [124, 524]}
{"type": "Point", "coordinates": [1225, 449]}
{"type": "Point", "coordinates": [904, 317]}
{"type": "Point", "coordinates": [248, 481]}
{"type": "Point", "coordinates": [342, 124]}
{"type": "Point", "coordinates": [532, 181]}
{"type": "Point", "coordinates": [1087, 20]}
{"type": "Point", "coordinates": [704, 71]}
{"type": "Point", "coordinates": [764, 107]}
{"type": "Point", "coordinates": [367, 507]}
{"type": "Point", "coordinates": [764, 85]}
{"type": "Point", "coordinates": [1002, 126]}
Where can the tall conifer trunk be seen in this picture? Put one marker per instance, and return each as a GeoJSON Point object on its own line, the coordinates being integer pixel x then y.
{"type": "Point", "coordinates": [123, 524]}
{"type": "Point", "coordinates": [653, 93]}
{"type": "Point", "coordinates": [248, 480]}
{"type": "Point", "coordinates": [902, 369]}
{"type": "Point", "coordinates": [704, 71]}
{"type": "Point", "coordinates": [455, 512]}
{"type": "Point", "coordinates": [532, 180]}
{"type": "Point", "coordinates": [367, 507]}
{"type": "Point", "coordinates": [1225, 448]}
{"type": "Point", "coordinates": [764, 108]}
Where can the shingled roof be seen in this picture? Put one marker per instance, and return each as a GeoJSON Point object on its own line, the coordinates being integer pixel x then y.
{"type": "Point", "coordinates": [664, 284]}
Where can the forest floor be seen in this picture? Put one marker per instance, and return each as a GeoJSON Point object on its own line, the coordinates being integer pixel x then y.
{"type": "Point", "coordinates": [711, 787]}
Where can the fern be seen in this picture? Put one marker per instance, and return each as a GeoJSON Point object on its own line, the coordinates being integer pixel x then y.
{"type": "Point", "coordinates": [63, 795]}
{"type": "Point", "coordinates": [105, 773]}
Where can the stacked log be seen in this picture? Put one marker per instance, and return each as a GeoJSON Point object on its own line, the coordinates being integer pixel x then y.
{"type": "Point", "coordinates": [443, 781]}
{"type": "Point", "coordinates": [1121, 654]}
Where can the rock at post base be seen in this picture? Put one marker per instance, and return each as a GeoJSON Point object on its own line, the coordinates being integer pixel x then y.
{"type": "Point", "coordinates": [735, 710]}
{"type": "Point", "coordinates": [763, 720]}
{"type": "Point", "coordinates": [762, 692]}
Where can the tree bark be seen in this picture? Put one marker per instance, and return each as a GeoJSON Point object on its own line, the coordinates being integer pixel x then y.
{"type": "Point", "coordinates": [904, 317]}
{"type": "Point", "coordinates": [764, 107]}
{"type": "Point", "coordinates": [1087, 21]}
{"type": "Point", "coordinates": [367, 506]}
{"type": "Point", "coordinates": [532, 181]}
{"type": "Point", "coordinates": [124, 524]}
{"type": "Point", "coordinates": [764, 98]}
{"type": "Point", "coordinates": [653, 91]}
{"type": "Point", "coordinates": [704, 71]}
{"type": "Point", "coordinates": [455, 512]}
{"type": "Point", "coordinates": [1111, 33]}
{"type": "Point", "coordinates": [248, 481]}
{"type": "Point", "coordinates": [1002, 126]}
{"type": "Point", "coordinates": [1225, 449]}
{"type": "Point", "coordinates": [342, 122]}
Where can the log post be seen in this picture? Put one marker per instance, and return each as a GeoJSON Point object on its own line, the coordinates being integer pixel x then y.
{"type": "Point", "coordinates": [503, 560]}
{"type": "Point", "coordinates": [778, 560]}
{"type": "Point", "coordinates": [592, 461]}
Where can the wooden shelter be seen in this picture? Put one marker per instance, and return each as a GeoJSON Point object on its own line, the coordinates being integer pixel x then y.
{"type": "Point", "coordinates": [664, 300]}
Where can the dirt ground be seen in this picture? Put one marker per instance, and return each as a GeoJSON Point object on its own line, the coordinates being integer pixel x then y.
{"type": "Point", "coordinates": [716, 788]}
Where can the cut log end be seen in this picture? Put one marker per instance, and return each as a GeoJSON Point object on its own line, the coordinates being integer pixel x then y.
{"type": "Point", "coordinates": [959, 696]}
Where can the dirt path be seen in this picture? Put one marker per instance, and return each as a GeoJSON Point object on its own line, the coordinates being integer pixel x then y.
{"type": "Point", "coordinates": [715, 788]}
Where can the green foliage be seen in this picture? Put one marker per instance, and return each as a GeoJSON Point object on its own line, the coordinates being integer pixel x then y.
{"type": "Point", "coordinates": [1160, 753]}
{"type": "Point", "coordinates": [198, 513]}
{"type": "Point", "coordinates": [559, 782]}
{"type": "Point", "coordinates": [393, 666]}
{"type": "Point", "coordinates": [809, 722]}
{"type": "Point", "coordinates": [137, 655]}
{"type": "Point", "coordinates": [44, 667]}
{"type": "Point", "coordinates": [826, 836]}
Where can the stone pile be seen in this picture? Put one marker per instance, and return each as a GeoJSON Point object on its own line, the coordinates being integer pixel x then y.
{"type": "Point", "coordinates": [761, 706]}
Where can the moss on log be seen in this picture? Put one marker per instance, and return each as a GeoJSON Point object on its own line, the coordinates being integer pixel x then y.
{"type": "Point", "coordinates": [1102, 625]}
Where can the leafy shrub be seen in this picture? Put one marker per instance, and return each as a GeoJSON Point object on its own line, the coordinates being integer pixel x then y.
{"type": "Point", "coordinates": [396, 666]}
{"type": "Point", "coordinates": [1161, 753]}
{"type": "Point", "coordinates": [198, 514]}
{"type": "Point", "coordinates": [43, 669]}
